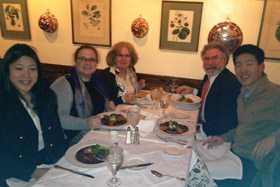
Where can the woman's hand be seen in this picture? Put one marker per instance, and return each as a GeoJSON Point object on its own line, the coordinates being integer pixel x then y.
{"type": "Point", "coordinates": [129, 97]}
{"type": "Point", "coordinates": [184, 89]}
{"type": "Point", "coordinates": [263, 147]}
{"type": "Point", "coordinates": [141, 84]}
{"type": "Point", "coordinates": [111, 106]}
{"type": "Point", "coordinates": [214, 141]}
{"type": "Point", "coordinates": [94, 122]}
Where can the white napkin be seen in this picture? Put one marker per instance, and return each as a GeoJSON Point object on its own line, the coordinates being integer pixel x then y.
{"type": "Point", "coordinates": [146, 126]}
{"type": "Point", "coordinates": [147, 100]}
{"type": "Point", "coordinates": [221, 162]}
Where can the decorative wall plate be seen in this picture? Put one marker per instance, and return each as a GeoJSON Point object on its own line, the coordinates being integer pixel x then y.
{"type": "Point", "coordinates": [48, 22]}
{"type": "Point", "coordinates": [139, 27]}
{"type": "Point", "coordinates": [228, 33]}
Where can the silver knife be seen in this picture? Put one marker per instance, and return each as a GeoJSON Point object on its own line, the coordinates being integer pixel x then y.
{"type": "Point", "coordinates": [136, 165]}
{"type": "Point", "coordinates": [108, 129]}
{"type": "Point", "coordinates": [73, 171]}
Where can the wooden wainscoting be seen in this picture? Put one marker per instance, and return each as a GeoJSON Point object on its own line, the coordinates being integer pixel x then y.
{"type": "Point", "coordinates": [51, 72]}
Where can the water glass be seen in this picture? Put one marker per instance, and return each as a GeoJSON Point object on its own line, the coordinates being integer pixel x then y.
{"type": "Point", "coordinates": [173, 84]}
{"type": "Point", "coordinates": [114, 160]}
{"type": "Point", "coordinates": [155, 94]}
{"type": "Point", "coordinates": [133, 116]}
{"type": "Point", "coordinates": [164, 103]}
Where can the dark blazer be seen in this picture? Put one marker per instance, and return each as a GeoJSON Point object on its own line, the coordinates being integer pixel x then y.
{"type": "Point", "coordinates": [221, 103]}
{"type": "Point", "coordinates": [19, 138]}
{"type": "Point", "coordinates": [108, 80]}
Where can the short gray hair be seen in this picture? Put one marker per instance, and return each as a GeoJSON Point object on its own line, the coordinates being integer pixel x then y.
{"type": "Point", "coordinates": [216, 45]}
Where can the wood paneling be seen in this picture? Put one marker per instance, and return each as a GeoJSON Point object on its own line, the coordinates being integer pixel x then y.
{"type": "Point", "coordinates": [51, 72]}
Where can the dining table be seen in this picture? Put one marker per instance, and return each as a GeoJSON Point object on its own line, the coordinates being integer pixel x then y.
{"type": "Point", "coordinates": [151, 149]}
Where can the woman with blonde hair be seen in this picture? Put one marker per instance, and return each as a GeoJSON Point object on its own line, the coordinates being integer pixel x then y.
{"type": "Point", "coordinates": [120, 79]}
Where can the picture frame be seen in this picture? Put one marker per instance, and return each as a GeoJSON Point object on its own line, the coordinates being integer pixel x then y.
{"type": "Point", "coordinates": [91, 22]}
{"type": "Point", "coordinates": [180, 25]}
{"type": "Point", "coordinates": [14, 19]}
{"type": "Point", "coordinates": [269, 36]}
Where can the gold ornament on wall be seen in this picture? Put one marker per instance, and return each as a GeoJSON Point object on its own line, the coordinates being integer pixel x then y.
{"type": "Point", "coordinates": [48, 22]}
{"type": "Point", "coordinates": [228, 33]}
{"type": "Point", "coordinates": [139, 27]}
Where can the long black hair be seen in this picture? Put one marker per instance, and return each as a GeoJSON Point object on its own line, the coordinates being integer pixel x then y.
{"type": "Point", "coordinates": [12, 55]}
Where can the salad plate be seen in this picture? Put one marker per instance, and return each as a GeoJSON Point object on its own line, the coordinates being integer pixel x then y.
{"type": "Point", "coordinates": [173, 149]}
{"type": "Point", "coordinates": [93, 154]}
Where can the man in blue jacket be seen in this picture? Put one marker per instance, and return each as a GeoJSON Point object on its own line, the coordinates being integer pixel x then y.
{"type": "Point", "coordinates": [219, 91]}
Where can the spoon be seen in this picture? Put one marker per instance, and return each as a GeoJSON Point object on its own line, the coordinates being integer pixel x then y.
{"type": "Point", "coordinates": [158, 174]}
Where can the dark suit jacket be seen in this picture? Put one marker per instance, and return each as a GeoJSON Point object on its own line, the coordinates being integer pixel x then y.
{"type": "Point", "coordinates": [221, 104]}
{"type": "Point", "coordinates": [19, 138]}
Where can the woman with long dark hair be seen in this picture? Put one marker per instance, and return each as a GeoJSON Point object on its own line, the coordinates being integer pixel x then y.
{"type": "Point", "coordinates": [30, 130]}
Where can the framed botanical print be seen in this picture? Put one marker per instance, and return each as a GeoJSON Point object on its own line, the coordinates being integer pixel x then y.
{"type": "Point", "coordinates": [14, 19]}
{"type": "Point", "coordinates": [269, 37]}
{"type": "Point", "coordinates": [180, 25]}
{"type": "Point", "coordinates": [91, 22]}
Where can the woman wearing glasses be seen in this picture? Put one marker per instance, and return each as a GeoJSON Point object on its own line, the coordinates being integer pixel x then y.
{"type": "Point", "coordinates": [119, 78]}
{"type": "Point", "coordinates": [81, 95]}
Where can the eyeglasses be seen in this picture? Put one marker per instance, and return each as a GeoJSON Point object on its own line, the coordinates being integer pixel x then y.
{"type": "Point", "coordinates": [213, 59]}
{"type": "Point", "coordinates": [121, 56]}
{"type": "Point", "coordinates": [84, 59]}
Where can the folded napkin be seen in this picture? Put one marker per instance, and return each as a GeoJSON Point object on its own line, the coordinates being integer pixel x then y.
{"type": "Point", "coordinates": [199, 174]}
{"type": "Point", "coordinates": [147, 125]}
{"type": "Point", "coordinates": [220, 161]}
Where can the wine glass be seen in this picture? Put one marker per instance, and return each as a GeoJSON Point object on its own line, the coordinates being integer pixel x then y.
{"type": "Point", "coordinates": [133, 116]}
{"type": "Point", "coordinates": [114, 160]}
{"type": "Point", "coordinates": [173, 84]}
{"type": "Point", "coordinates": [155, 94]}
{"type": "Point", "coordinates": [164, 101]}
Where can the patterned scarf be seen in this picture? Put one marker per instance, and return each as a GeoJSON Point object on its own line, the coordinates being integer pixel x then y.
{"type": "Point", "coordinates": [121, 82]}
{"type": "Point", "coordinates": [83, 102]}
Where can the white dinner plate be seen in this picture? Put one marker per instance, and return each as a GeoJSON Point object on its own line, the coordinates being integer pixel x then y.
{"type": "Point", "coordinates": [179, 114]}
{"type": "Point", "coordinates": [196, 107]}
{"type": "Point", "coordinates": [191, 128]}
{"type": "Point", "coordinates": [196, 100]}
{"type": "Point", "coordinates": [135, 159]}
{"type": "Point", "coordinates": [113, 127]}
{"type": "Point", "coordinates": [173, 149]}
{"type": "Point", "coordinates": [70, 155]}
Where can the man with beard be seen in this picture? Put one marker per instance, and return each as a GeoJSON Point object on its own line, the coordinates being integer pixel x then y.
{"type": "Point", "coordinates": [219, 91]}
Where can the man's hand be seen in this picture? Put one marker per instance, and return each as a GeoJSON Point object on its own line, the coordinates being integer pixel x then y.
{"type": "Point", "coordinates": [214, 141]}
{"type": "Point", "coordinates": [184, 89]}
{"type": "Point", "coordinates": [263, 147]}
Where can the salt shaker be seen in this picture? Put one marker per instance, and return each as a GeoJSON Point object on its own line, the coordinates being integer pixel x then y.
{"type": "Point", "coordinates": [136, 136]}
{"type": "Point", "coordinates": [128, 136]}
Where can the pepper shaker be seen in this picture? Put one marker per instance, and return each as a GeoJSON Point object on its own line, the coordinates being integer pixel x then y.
{"type": "Point", "coordinates": [136, 136]}
{"type": "Point", "coordinates": [128, 136]}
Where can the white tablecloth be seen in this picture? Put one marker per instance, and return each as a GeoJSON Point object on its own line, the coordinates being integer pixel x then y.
{"type": "Point", "coordinates": [148, 148]}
